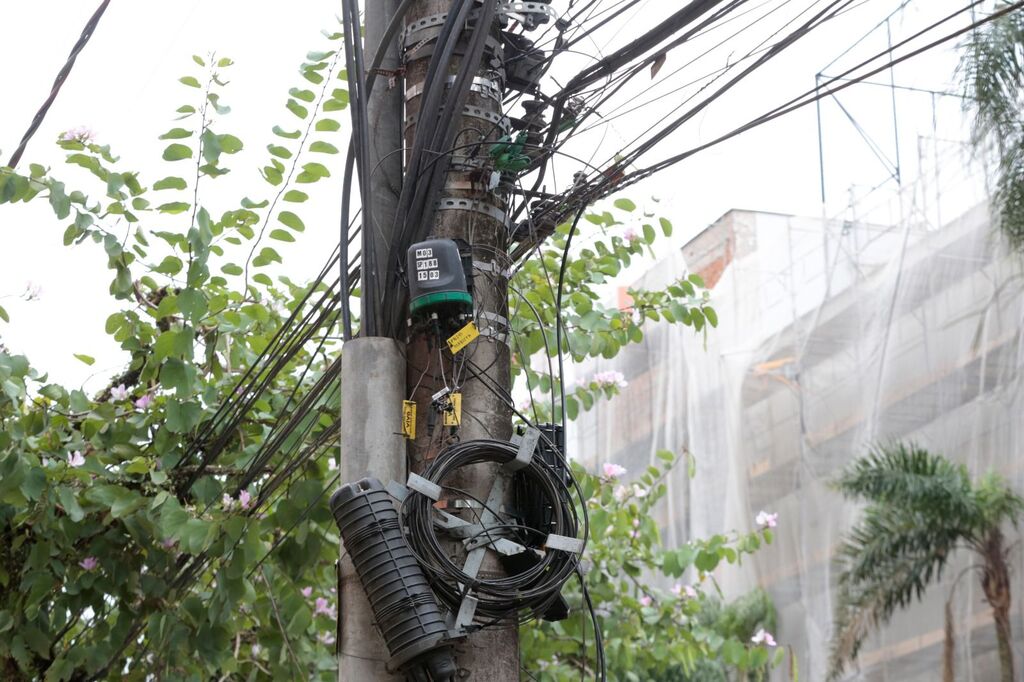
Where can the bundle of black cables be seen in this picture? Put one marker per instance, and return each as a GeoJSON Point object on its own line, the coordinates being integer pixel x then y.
{"type": "Point", "coordinates": [524, 594]}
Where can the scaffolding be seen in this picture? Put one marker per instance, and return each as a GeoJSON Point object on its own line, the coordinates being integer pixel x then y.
{"type": "Point", "coordinates": [835, 334]}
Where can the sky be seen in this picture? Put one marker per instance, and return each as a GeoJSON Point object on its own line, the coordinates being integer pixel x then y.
{"type": "Point", "coordinates": [124, 88]}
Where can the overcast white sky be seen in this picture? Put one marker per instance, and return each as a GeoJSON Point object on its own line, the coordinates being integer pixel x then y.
{"type": "Point", "coordinates": [124, 88]}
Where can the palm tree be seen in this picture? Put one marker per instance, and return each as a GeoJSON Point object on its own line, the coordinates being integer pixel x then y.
{"type": "Point", "coordinates": [992, 78]}
{"type": "Point", "coordinates": [921, 508]}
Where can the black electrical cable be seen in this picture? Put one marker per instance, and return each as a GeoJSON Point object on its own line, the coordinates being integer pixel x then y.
{"type": "Point", "coordinates": [62, 76]}
{"type": "Point", "coordinates": [558, 318]}
{"type": "Point", "coordinates": [523, 595]}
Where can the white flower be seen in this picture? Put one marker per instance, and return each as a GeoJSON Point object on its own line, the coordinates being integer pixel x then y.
{"type": "Point", "coordinates": [613, 470]}
{"type": "Point", "coordinates": [76, 459]}
{"type": "Point", "coordinates": [763, 637]}
{"type": "Point", "coordinates": [639, 491]}
{"type": "Point", "coordinates": [766, 520]}
{"type": "Point", "coordinates": [620, 493]}
{"type": "Point", "coordinates": [119, 392]}
{"type": "Point", "coordinates": [332, 464]}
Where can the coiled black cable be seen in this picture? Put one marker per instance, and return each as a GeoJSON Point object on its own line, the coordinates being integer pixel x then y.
{"type": "Point", "coordinates": [523, 595]}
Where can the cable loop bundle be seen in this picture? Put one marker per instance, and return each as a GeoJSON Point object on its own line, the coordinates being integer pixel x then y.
{"type": "Point", "coordinates": [524, 594]}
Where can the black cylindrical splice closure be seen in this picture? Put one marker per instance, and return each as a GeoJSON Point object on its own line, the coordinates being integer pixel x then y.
{"type": "Point", "coordinates": [404, 608]}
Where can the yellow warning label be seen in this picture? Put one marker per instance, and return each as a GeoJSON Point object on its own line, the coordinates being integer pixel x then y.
{"type": "Point", "coordinates": [453, 416]}
{"type": "Point", "coordinates": [409, 419]}
{"type": "Point", "coordinates": [463, 337]}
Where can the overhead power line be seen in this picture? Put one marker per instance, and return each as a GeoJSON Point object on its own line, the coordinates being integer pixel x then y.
{"type": "Point", "coordinates": [62, 76]}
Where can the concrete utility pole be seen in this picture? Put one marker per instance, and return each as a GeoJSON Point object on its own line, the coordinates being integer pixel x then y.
{"type": "Point", "coordinates": [373, 368]}
{"type": "Point", "coordinates": [469, 211]}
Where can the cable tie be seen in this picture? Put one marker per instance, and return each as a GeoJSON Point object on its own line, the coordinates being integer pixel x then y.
{"type": "Point", "coordinates": [527, 446]}
{"type": "Point", "coordinates": [424, 487]}
{"type": "Point", "coordinates": [397, 490]}
{"type": "Point", "coordinates": [563, 543]}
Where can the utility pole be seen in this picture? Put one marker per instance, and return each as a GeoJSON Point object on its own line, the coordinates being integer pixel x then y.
{"type": "Point", "coordinates": [468, 210]}
{"type": "Point", "coordinates": [373, 368]}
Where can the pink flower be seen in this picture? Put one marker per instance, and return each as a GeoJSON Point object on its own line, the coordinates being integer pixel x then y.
{"type": "Point", "coordinates": [168, 543]}
{"type": "Point", "coordinates": [145, 401]}
{"type": "Point", "coordinates": [227, 501]}
{"type": "Point", "coordinates": [78, 134]}
{"type": "Point", "coordinates": [609, 379]}
{"type": "Point", "coordinates": [636, 523]}
{"type": "Point", "coordinates": [306, 591]}
{"type": "Point", "coordinates": [763, 637]}
{"type": "Point", "coordinates": [630, 235]}
{"type": "Point", "coordinates": [89, 563]}
{"type": "Point", "coordinates": [244, 499]}
{"type": "Point", "coordinates": [327, 638]}
{"type": "Point", "coordinates": [613, 470]}
{"type": "Point", "coordinates": [323, 607]}
{"type": "Point", "coordinates": [620, 493]}
{"type": "Point", "coordinates": [646, 601]}
{"type": "Point", "coordinates": [766, 520]}
{"type": "Point", "coordinates": [119, 392]}
{"type": "Point", "coordinates": [76, 459]}
{"type": "Point", "coordinates": [685, 591]}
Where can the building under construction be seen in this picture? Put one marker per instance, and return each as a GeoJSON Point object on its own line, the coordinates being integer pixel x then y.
{"type": "Point", "coordinates": [900, 322]}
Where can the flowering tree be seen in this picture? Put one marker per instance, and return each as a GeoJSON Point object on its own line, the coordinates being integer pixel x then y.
{"type": "Point", "coordinates": [122, 550]}
{"type": "Point", "coordinates": [651, 633]}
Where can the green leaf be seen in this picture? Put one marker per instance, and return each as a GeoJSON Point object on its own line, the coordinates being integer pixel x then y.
{"type": "Point", "coordinates": [170, 265]}
{"type": "Point", "coordinates": [625, 204]}
{"type": "Point", "coordinates": [178, 375]}
{"type": "Point", "coordinates": [70, 503]}
{"type": "Point", "coordinates": [170, 182]}
{"type": "Point", "coordinates": [279, 151]}
{"type": "Point", "coordinates": [176, 134]}
{"type": "Point", "coordinates": [291, 220]}
{"type": "Point", "coordinates": [3, 315]}
{"type": "Point", "coordinates": [280, 132]}
{"type": "Point", "coordinates": [666, 226]}
{"type": "Point", "coordinates": [327, 125]}
{"type": "Point", "coordinates": [192, 303]}
{"type": "Point", "coordinates": [183, 417]}
{"type": "Point", "coordinates": [229, 144]}
{"type": "Point", "coordinates": [177, 152]}
{"type": "Point", "coordinates": [174, 207]}
{"type": "Point", "coordinates": [304, 95]}
{"type": "Point", "coordinates": [297, 108]}
{"type": "Point", "coordinates": [282, 235]}
{"type": "Point", "coordinates": [87, 359]}
{"type": "Point", "coordinates": [323, 148]}
{"type": "Point", "coordinates": [190, 81]}
{"type": "Point", "coordinates": [311, 172]}
{"type": "Point", "coordinates": [697, 280]}
{"type": "Point", "coordinates": [231, 269]}
{"type": "Point", "coordinates": [295, 196]}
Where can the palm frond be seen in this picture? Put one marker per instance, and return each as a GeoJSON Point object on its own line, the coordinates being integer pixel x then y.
{"type": "Point", "coordinates": [911, 477]}
{"type": "Point", "coordinates": [889, 560]}
{"type": "Point", "coordinates": [991, 74]}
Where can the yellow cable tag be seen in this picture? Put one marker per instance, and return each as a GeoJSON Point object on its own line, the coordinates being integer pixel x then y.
{"type": "Point", "coordinates": [453, 417]}
{"type": "Point", "coordinates": [409, 419]}
{"type": "Point", "coordinates": [463, 337]}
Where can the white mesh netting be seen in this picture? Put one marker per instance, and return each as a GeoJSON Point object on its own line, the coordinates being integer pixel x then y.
{"type": "Point", "coordinates": [902, 319]}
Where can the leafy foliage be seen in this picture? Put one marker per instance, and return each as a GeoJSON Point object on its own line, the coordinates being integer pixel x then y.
{"type": "Point", "coordinates": [650, 633]}
{"type": "Point", "coordinates": [922, 507]}
{"type": "Point", "coordinates": [992, 77]}
{"type": "Point", "coordinates": [102, 509]}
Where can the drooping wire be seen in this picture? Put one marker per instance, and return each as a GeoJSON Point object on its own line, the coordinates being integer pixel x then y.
{"type": "Point", "coordinates": [62, 75]}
